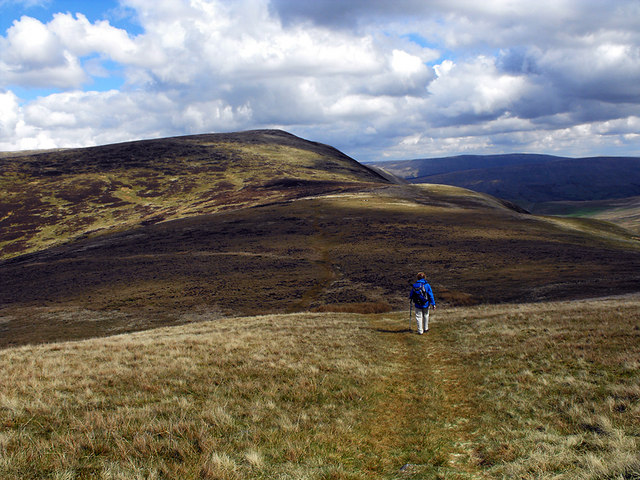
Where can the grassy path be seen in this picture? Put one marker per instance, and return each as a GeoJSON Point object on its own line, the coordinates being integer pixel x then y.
{"type": "Point", "coordinates": [312, 396]}
{"type": "Point", "coordinates": [424, 410]}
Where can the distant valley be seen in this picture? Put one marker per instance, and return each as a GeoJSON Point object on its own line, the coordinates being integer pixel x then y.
{"type": "Point", "coordinates": [540, 183]}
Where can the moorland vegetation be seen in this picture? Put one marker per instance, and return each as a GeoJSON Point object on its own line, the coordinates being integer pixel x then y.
{"type": "Point", "coordinates": [146, 233]}
{"type": "Point", "coordinates": [234, 306]}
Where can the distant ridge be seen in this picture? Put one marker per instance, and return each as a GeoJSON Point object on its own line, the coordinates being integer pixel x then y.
{"type": "Point", "coordinates": [418, 168]}
{"type": "Point", "coordinates": [528, 179]}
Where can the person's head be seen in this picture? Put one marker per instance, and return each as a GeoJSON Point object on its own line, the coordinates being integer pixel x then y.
{"type": "Point", "coordinates": [421, 276]}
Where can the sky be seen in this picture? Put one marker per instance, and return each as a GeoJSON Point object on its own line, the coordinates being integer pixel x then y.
{"type": "Point", "coordinates": [377, 79]}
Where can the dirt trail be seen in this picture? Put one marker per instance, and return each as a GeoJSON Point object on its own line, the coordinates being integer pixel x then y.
{"type": "Point", "coordinates": [426, 407]}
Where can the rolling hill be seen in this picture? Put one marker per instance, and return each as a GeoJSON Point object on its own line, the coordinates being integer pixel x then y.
{"type": "Point", "coordinates": [416, 169]}
{"type": "Point", "coordinates": [536, 182]}
{"type": "Point", "coordinates": [265, 222]}
{"type": "Point", "coordinates": [54, 196]}
{"type": "Point", "coordinates": [621, 211]}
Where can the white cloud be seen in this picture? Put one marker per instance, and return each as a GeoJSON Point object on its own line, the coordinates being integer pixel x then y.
{"type": "Point", "coordinates": [474, 91]}
{"type": "Point", "coordinates": [32, 55]}
{"type": "Point", "coordinates": [48, 55]}
{"type": "Point", "coordinates": [15, 133]}
{"type": "Point", "coordinates": [31, 44]}
{"type": "Point", "coordinates": [361, 106]}
{"type": "Point", "coordinates": [99, 37]}
{"type": "Point", "coordinates": [595, 70]}
{"type": "Point", "coordinates": [10, 115]}
{"type": "Point", "coordinates": [481, 76]}
{"type": "Point", "coordinates": [218, 67]}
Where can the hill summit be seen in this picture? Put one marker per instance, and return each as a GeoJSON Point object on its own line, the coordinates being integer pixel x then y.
{"type": "Point", "coordinates": [52, 197]}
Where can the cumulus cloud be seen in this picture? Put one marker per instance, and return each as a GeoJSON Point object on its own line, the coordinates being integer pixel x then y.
{"type": "Point", "coordinates": [10, 115]}
{"type": "Point", "coordinates": [601, 71]}
{"type": "Point", "coordinates": [372, 77]}
{"type": "Point", "coordinates": [474, 91]}
{"type": "Point", "coordinates": [49, 55]}
{"type": "Point", "coordinates": [32, 55]}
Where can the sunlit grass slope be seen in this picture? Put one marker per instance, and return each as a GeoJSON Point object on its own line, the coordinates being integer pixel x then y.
{"type": "Point", "coordinates": [620, 211]}
{"type": "Point", "coordinates": [51, 197]}
{"type": "Point", "coordinates": [548, 390]}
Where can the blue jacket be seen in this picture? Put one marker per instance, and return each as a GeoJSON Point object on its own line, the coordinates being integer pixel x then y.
{"type": "Point", "coordinates": [428, 293]}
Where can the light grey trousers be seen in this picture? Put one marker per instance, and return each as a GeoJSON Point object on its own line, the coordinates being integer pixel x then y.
{"type": "Point", "coordinates": [422, 319]}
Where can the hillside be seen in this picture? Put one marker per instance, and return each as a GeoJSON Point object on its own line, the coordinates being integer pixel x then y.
{"type": "Point", "coordinates": [561, 180]}
{"type": "Point", "coordinates": [52, 197]}
{"type": "Point", "coordinates": [263, 220]}
{"type": "Point", "coordinates": [536, 182]}
{"type": "Point", "coordinates": [420, 168]}
{"type": "Point", "coordinates": [346, 252]}
{"type": "Point", "coordinates": [621, 211]}
{"type": "Point", "coordinates": [280, 269]}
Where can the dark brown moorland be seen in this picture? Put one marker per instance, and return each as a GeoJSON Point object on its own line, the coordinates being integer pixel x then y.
{"type": "Point", "coordinates": [158, 232]}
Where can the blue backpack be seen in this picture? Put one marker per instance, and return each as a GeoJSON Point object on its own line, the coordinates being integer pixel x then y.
{"type": "Point", "coordinates": [419, 295]}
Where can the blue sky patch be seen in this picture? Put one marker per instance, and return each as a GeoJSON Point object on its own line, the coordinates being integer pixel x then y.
{"type": "Point", "coordinates": [110, 10]}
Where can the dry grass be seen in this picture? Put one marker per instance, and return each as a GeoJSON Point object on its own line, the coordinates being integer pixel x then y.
{"type": "Point", "coordinates": [265, 397]}
{"type": "Point", "coordinates": [512, 391]}
{"type": "Point", "coordinates": [361, 307]}
{"type": "Point", "coordinates": [557, 387]}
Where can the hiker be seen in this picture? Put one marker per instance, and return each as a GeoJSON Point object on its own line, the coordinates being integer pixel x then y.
{"type": "Point", "coordinates": [422, 297]}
